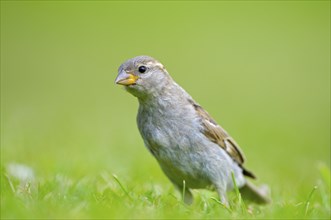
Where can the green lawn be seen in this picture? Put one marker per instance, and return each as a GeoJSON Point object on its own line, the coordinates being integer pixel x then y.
{"type": "Point", "coordinates": [70, 147]}
{"type": "Point", "coordinates": [105, 195]}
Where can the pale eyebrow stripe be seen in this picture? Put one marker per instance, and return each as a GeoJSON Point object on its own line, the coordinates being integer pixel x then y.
{"type": "Point", "coordinates": [151, 63]}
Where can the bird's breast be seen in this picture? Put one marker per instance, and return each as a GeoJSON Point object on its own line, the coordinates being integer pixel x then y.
{"type": "Point", "coordinates": [167, 130]}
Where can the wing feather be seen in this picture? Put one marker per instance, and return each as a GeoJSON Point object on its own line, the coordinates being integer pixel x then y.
{"type": "Point", "coordinates": [218, 135]}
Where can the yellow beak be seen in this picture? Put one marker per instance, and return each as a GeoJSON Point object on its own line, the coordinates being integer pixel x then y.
{"type": "Point", "coordinates": [126, 79]}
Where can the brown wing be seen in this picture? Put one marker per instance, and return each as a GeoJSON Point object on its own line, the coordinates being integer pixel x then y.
{"type": "Point", "coordinates": [218, 135]}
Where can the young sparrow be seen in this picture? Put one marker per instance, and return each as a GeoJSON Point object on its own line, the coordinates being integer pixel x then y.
{"type": "Point", "coordinates": [191, 148]}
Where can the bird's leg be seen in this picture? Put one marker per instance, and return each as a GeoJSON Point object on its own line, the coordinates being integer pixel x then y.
{"type": "Point", "coordinates": [224, 200]}
{"type": "Point", "coordinates": [188, 197]}
{"type": "Point", "coordinates": [223, 197]}
{"type": "Point", "coordinates": [186, 193]}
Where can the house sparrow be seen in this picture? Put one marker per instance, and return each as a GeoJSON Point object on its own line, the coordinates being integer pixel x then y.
{"type": "Point", "coordinates": [190, 147]}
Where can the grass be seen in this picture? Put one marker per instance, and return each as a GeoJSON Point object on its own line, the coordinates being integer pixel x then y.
{"type": "Point", "coordinates": [107, 196]}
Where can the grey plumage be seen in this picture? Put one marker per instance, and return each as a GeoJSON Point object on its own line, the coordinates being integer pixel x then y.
{"type": "Point", "coordinates": [187, 143]}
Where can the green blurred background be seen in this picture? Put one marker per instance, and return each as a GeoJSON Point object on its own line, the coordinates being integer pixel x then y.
{"type": "Point", "coordinates": [260, 68]}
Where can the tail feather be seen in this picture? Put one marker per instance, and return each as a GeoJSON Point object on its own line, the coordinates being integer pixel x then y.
{"type": "Point", "coordinates": [259, 195]}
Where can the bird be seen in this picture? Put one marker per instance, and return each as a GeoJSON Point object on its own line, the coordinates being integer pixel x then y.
{"type": "Point", "coordinates": [193, 151]}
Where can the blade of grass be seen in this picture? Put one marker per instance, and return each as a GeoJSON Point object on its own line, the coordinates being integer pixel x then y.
{"type": "Point", "coordinates": [238, 195]}
{"type": "Point", "coordinates": [10, 184]}
{"type": "Point", "coordinates": [307, 203]}
{"type": "Point", "coordinates": [183, 192]}
{"type": "Point", "coordinates": [122, 187]}
{"type": "Point", "coordinates": [224, 206]}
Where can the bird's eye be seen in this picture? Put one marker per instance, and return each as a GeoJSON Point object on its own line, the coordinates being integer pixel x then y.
{"type": "Point", "coordinates": [142, 69]}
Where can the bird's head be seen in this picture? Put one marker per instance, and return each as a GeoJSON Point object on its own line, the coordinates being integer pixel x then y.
{"type": "Point", "coordinates": [142, 76]}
